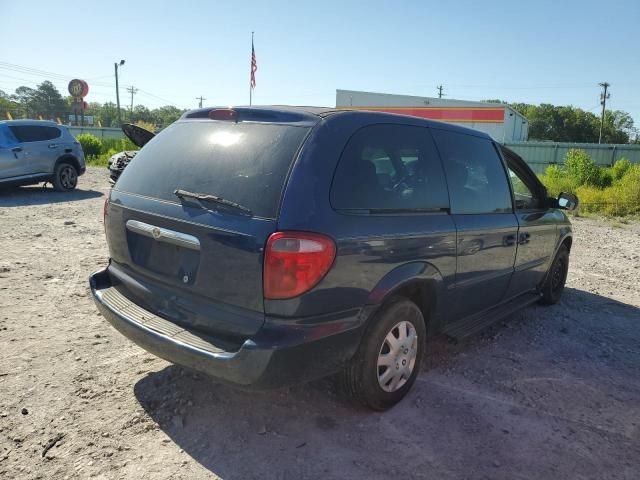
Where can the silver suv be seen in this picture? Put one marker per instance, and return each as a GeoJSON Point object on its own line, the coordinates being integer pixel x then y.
{"type": "Point", "coordinates": [33, 151]}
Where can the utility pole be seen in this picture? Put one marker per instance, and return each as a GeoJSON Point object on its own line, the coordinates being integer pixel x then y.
{"type": "Point", "coordinates": [440, 87]}
{"type": "Point", "coordinates": [116, 65]}
{"type": "Point", "coordinates": [132, 90]}
{"type": "Point", "coordinates": [603, 101]}
{"type": "Point", "coordinates": [201, 98]}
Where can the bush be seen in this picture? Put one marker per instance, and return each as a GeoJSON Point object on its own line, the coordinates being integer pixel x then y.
{"type": "Point", "coordinates": [620, 168]}
{"type": "Point", "coordinates": [97, 151]}
{"type": "Point", "coordinates": [581, 167]}
{"type": "Point", "coordinates": [102, 160]}
{"type": "Point", "coordinates": [117, 144]}
{"type": "Point", "coordinates": [609, 190]}
{"type": "Point", "coordinates": [91, 144]}
{"type": "Point", "coordinates": [556, 180]}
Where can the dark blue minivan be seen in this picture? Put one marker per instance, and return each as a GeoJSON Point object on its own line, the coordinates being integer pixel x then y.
{"type": "Point", "coordinates": [272, 245]}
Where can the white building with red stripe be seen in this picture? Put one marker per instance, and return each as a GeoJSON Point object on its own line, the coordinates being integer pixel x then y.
{"type": "Point", "coordinates": [500, 121]}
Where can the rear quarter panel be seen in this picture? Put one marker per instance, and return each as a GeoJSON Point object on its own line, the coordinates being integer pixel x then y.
{"type": "Point", "coordinates": [369, 247]}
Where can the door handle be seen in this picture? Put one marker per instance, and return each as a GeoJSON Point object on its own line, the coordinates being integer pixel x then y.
{"type": "Point", "coordinates": [524, 238]}
{"type": "Point", "coordinates": [509, 240]}
{"type": "Point", "coordinates": [53, 145]}
{"type": "Point", "coordinates": [16, 149]}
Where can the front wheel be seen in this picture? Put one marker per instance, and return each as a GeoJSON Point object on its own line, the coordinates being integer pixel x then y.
{"type": "Point", "coordinates": [553, 285]}
{"type": "Point", "coordinates": [65, 177]}
{"type": "Point", "coordinates": [388, 360]}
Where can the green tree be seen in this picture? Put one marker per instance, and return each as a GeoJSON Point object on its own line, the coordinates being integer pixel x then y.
{"type": "Point", "coordinates": [571, 124]}
{"type": "Point", "coordinates": [166, 115]}
{"type": "Point", "coordinates": [7, 105]}
{"type": "Point", "coordinates": [109, 115]}
{"type": "Point", "coordinates": [141, 114]}
{"type": "Point", "coordinates": [45, 101]}
{"type": "Point", "coordinates": [618, 127]}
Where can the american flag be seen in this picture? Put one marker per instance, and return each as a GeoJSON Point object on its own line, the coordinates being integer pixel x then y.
{"type": "Point", "coordinates": [254, 66]}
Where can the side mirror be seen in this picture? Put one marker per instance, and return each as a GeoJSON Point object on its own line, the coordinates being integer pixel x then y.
{"type": "Point", "coordinates": [567, 201]}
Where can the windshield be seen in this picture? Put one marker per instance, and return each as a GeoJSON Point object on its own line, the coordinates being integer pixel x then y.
{"type": "Point", "coordinates": [245, 163]}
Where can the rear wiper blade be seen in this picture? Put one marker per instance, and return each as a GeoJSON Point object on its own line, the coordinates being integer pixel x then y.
{"type": "Point", "coordinates": [204, 197]}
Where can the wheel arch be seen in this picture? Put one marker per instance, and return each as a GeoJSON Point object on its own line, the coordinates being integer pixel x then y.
{"type": "Point", "coordinates": [70, 159]}
{"type": "Point", "coordinates": [565, 239]}
{"type": "Point", "coordinates": [420, 282]}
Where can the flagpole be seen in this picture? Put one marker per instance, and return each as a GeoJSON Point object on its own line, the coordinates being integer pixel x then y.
{"type": "Point", "coordinates": [250, 70]}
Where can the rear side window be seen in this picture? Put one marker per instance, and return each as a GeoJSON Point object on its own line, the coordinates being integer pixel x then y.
{"type": "Point", "coordinates": [51, 133]}
{"type": "Point", "coordinates": [34, 133]}
{"type": "Point", "coordinates": [389, 168]}
{"type": "Point", "coordinates": [246, 163]}
{"type": "Point", "coordinates": [475, 174]}
{"type": "Point", "coordinates": [6, 137]}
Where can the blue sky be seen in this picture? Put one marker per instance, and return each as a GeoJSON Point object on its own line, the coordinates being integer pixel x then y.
{"type": "Point", "coordinates": [535, 51]}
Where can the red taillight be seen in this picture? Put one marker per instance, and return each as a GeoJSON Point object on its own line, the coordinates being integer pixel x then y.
{"type": "Point", "coordinates": [223, 114]}
{"type": "Point", "coordinates": [104, 211]}
{"type": "Point", "coordinates": [294, 262]}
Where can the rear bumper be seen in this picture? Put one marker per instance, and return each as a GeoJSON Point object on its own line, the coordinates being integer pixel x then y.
{"type": "Point", "coordinates": [283, 352]}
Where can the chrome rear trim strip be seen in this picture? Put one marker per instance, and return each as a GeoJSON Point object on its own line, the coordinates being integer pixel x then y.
{"type": "Point", "coordinates": [164, 235]}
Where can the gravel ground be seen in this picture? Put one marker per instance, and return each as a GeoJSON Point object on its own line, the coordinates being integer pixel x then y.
{"type": "Point", "coordinates": [552, 392]}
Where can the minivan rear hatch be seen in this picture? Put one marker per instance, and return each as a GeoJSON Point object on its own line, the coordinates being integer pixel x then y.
{"type": "Point", "coordinates": [187, 222]}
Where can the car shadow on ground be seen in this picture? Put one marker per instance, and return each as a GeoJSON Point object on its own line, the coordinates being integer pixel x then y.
{"type": "Point", "coordinates": [457, 419]}
{"type": "Point", "coordinates": [37, 195]}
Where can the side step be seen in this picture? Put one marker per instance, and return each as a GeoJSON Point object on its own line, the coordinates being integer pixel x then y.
{"type": "Point", "coordinates": [477, 322]}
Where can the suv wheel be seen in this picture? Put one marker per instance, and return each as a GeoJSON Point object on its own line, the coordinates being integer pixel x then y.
{"type": "Point", "coordinates": [553, 285]}
{"type": "Point", "coordinates": [65, 178]}
{"type": "Point", "coordinates": [388, 360]}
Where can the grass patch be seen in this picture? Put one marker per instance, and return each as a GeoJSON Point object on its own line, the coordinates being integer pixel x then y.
{"type": "Point", "coordinates": [99, 150]}
{"type": "Point", "coordinates": [612, 191]}
{"type": "Point", "coordinates": [98, 160]}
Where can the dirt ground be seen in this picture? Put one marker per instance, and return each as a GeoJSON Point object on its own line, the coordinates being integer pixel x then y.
{"type": "Point", "coordinates": [550, 393]}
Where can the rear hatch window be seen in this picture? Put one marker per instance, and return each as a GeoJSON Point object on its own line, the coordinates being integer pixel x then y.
{"type": "Point", "coordinates": [245, 163]}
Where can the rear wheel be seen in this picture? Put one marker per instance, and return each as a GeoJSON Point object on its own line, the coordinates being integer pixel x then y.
{"type": "Point", "coordinates": [388, 360]}
{"type": "Point", "coordinates": [553, 285]}
{"type": "Point", "coordinates": [65, 177]}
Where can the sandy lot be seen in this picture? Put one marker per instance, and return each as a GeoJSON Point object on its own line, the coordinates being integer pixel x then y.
{"type": "Point", "coordinates": [553, 392]}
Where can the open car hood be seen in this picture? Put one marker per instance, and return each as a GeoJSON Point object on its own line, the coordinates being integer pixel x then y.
{"type": "Point", "coordinates": [138, 135]}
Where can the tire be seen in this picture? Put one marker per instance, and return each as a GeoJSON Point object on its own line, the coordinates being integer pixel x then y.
{"type": "Point", "coordinates": [365, 378]}
{"type": "Point", "coordinates": [65, 177]}
{"type": "Point", "coordinates": [553, 285]}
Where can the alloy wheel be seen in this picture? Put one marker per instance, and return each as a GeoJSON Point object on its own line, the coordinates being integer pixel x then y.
{"type": "Point", "coordinates": [68, 177]}
{"type": "Point", "coordinates": [397, 356]}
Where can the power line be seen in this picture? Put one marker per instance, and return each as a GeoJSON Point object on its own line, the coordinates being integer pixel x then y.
{"type": "Point", "coordinates": [149, 94]}
{"type": "Point", "coordinates": [62, 77]}
{"type": "Point", "coordinates": [603, 101]}
{"type": "Point", "coordinates": [132, 90]}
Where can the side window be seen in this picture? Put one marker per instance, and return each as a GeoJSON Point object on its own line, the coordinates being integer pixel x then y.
{"type": "Point", "coordinates": [50, 133]}
{"type": "Point", "coordinates": [389, 168]}
{"type": "Point", "coordinates": [475, 174]}
{"type": "Point", "coordinates": [27, 133]}
{"type": "Point", "coordinates": [6, 138]}
{"type": "Point", "coordinates": [525, 199]}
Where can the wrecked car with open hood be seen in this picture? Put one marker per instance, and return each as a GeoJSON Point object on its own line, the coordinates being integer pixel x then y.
{"type": "Point", "coordinates": [119, 161]}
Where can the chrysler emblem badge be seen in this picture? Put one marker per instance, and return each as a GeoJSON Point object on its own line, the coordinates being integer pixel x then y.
{"type": "Point", "coordinates": [156, 233]}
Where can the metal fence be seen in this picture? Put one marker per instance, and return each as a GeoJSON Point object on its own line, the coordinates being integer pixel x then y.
{"type": "Point", "coordinates": [98, 132]}
{"type": "Point", "coordinates": [539, 155]}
